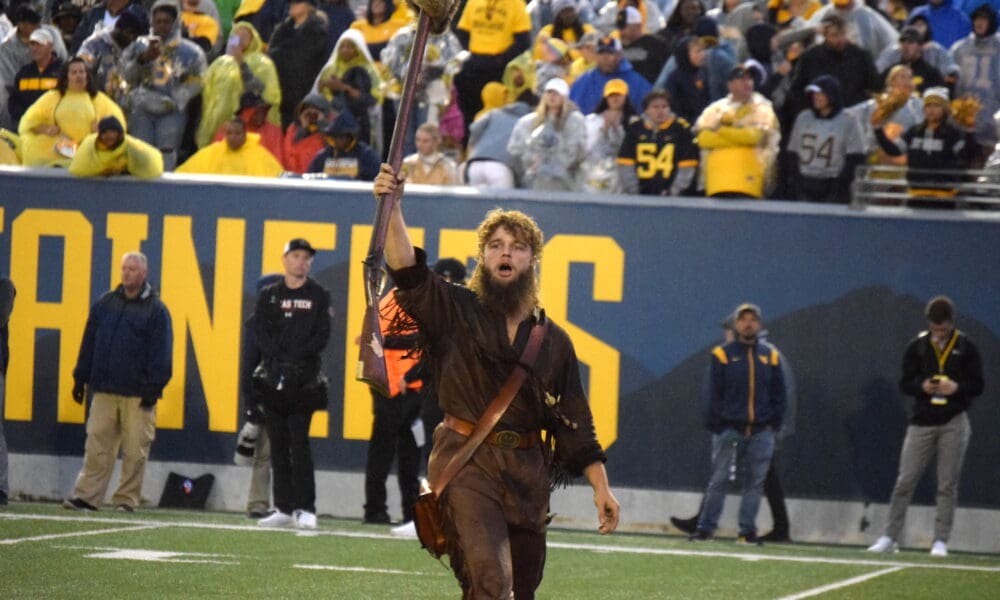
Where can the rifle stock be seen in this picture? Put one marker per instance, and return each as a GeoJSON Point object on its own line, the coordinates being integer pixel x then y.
{"type": "Point", "coordinates": [371, 360]}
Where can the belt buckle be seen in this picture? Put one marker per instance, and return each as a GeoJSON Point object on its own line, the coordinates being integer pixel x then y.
{"type": "Point", "coordinates": [507, 439]}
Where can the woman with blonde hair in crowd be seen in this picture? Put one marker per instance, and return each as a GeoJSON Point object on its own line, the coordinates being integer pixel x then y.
{"type": "Point", "coordinates": [428, 165]}
{"type": "Point", "coordinates": [52, 127]}
{"type": "Point", "coordinates": [897, 109]}
{"type": "Point", "coordinates": [547, 145]}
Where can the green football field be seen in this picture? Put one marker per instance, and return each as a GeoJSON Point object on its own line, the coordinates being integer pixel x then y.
{"type": "Point", "coordinates": [49, 552]}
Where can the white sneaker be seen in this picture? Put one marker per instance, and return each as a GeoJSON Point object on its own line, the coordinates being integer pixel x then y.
{"type": "Point", "coordinates": [277, 519]}
{"type": "Point", "coordinates": [305, 519]}
{"type": "Point", "coordinates": [939, 549]}
{"type": "Point", "coordinates": [406, 530]}
{"type": "Point", "coordinates": [884, 544]}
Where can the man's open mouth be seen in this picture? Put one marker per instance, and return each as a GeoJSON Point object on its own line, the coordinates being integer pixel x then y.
{"type": "Point", "coordinates": [505, 268]}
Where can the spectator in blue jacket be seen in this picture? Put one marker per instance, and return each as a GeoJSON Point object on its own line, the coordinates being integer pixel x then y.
{"type": "Point", "coordinates": [948, 23]}
{"type": "Point", "coordinates": [588, 89]}
{"type": "Point", "coordinates": [125, 361]}
{"type": "Point", "coordinates": [745, 402]}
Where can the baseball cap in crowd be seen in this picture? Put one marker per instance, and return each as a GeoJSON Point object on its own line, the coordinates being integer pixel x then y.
{"type": "Point", "coordinates": [608, 44]}
{"type": "Point", "coordinates": [589, 39]}
{"type": "Point", "coordinates": [559, 5]}
{"type": "Point", "coordinates": [299, 244]}
{"type": "Point", "coordinates": [615, 86]}
{"type": "Point", "coordinates": [909, 34]}
{"type": "Point", "coordinates": [130, 21]}
{"type": "Point", "coordinates": [706, 29]}
{"type": "Point", "coordinates": [558, 85]}
{"type": "Point", "coordinates": [937, 94]}
{"type": "Point", "coordinates": [344, 124]}
{"type": "Point", "coordinates": [739, 72]}
{"type": "Point", "coordinates": [840, 2]}
{"type": "Point", "coordinates": [41, 36]}
{"type": "Point", "coordinates": [629, 15]}
{"type": "Point", "coordinates": [746, 307]}
{"type": "Point", "coordinates": [309, 2]}
{"type": "Point", "coordinates": [67, 9]}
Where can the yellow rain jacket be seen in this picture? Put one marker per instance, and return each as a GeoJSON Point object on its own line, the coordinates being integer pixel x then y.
{"type": "Point", "coordinates": [223, 86]}
{"type": "Point", "coordinates": [132, 157]}
{"type": "Point", "coordinates": [251, 160]}
{"type": "Point", "coordinates": [75, 113]}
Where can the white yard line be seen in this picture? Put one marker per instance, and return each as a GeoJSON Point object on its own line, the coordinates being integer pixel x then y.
{"type": "Point", "coordinates": [359, 570]}
{"type": "Point", "coordinates": [53, 536]}
{"type": "Point", "coordinates": [551, 544]}
{"type": "Point", "coordinates": [751, 557]}
{"type": "Point", "coordinates": [840, 584]}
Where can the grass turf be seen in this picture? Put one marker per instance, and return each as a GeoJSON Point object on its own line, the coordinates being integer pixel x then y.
{"type": "Point", "coordinates": [48, 552]}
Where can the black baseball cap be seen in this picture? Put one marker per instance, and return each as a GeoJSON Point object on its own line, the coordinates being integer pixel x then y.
{"type": "Point", "coordinates": [300, 244]}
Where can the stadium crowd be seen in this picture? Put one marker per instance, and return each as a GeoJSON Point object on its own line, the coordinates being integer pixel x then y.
{"type": "Point", "coordinates": [762, 98]}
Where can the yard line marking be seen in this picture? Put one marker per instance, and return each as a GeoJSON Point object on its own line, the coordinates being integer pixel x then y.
{"type": "Point", "coordinates": [841, 584]}
{"type": "Point", "coordinates": [746, 556]}
{"type": "Point", "coordinates": [358, 570]}
{"type": "Point", "coordinates": [52, 536]}
{"type": "Point", "coordinates": [564, 545]}
{"type": "Point", "coordinates": [157, 556]}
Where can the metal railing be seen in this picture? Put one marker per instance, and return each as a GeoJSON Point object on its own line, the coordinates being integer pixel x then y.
{"type": "Point", "coordinates": [923, 188]}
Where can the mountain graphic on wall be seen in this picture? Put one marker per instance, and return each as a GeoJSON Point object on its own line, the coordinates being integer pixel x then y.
{"type": "Point", "coordinates": [846, 429]}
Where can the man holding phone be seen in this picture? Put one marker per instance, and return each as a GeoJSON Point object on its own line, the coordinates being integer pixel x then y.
{"type": "Point", "coordinates": [164, 72]}
{"type": "Point", "coordinates": [943, 372]}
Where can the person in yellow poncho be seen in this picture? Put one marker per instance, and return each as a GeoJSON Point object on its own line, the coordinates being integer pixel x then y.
{"type": "Point", "coordinates": [351, 76]}
{"type": "Point", "coordinates": [10, 148]}
{"type": "Point", "coordinates": [244, 67]}
{"type": "Point", "coordinates": [239, 153]}
{"type": "Point", "coordinates": [111, 152]}
{"type": "Point", "coordinates": [52, 127]}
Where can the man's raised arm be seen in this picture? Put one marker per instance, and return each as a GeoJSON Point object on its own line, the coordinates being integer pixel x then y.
{"type": "Point", "coordinates": [398, 247]}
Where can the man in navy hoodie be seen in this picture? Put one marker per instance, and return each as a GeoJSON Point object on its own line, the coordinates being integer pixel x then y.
{"type": "Point", "coordinates": [125, 361]}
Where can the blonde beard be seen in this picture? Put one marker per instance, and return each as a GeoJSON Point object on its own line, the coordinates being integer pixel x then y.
{"type": "Point", "coordinates": [506, 299]}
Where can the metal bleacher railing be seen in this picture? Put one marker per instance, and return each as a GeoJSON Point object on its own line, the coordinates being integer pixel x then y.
{"type": "Point", "coordinates": [938, 188]}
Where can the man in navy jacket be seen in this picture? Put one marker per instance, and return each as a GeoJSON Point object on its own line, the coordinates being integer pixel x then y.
{"type": "Point", "coordinates": [125, 361]}
{"type": "Point", "coordinates": [745, 407]}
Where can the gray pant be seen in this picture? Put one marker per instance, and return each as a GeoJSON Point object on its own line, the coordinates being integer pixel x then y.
{"type": "Point", "coordinates": [4, 486]}
{"type": "Point", "coordinates": [949, 441]}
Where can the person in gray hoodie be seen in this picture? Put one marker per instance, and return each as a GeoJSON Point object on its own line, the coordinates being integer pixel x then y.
{"type": "Point", "coordinates": [163, 72]}
{"type": "Point", "coordinates": [487, 162]}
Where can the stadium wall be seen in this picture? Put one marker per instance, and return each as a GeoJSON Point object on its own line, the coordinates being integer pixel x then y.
{"type": "Point", "coordinates": [640, 284]}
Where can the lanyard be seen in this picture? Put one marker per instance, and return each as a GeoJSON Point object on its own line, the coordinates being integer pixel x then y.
{"type": "Point", "coordinates": [942, 355]}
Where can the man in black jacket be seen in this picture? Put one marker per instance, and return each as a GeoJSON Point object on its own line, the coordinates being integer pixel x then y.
{"type": "Point", "coordinates": [298, 48]}
{"type": "Point", "coordinates": [125, 361]}
{"type": "Point", "coordinates": [943, 372]}
{"type": "Point", "coordinates": [292, 326]}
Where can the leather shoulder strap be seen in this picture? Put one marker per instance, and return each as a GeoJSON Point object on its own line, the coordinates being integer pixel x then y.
{"type": "Point", "coordinates": [495, 409]}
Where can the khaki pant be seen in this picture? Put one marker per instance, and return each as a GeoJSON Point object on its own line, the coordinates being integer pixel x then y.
{"type": "Point", "coordinates": [115, 422]}
{"type": "Point", "coordinates": [259, 498]}
{"type": "Point", "coordinates": [949, 442]}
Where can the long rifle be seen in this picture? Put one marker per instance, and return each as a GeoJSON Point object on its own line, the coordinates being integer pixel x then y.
{"type": "Point", "coordinates": [371, 359]}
